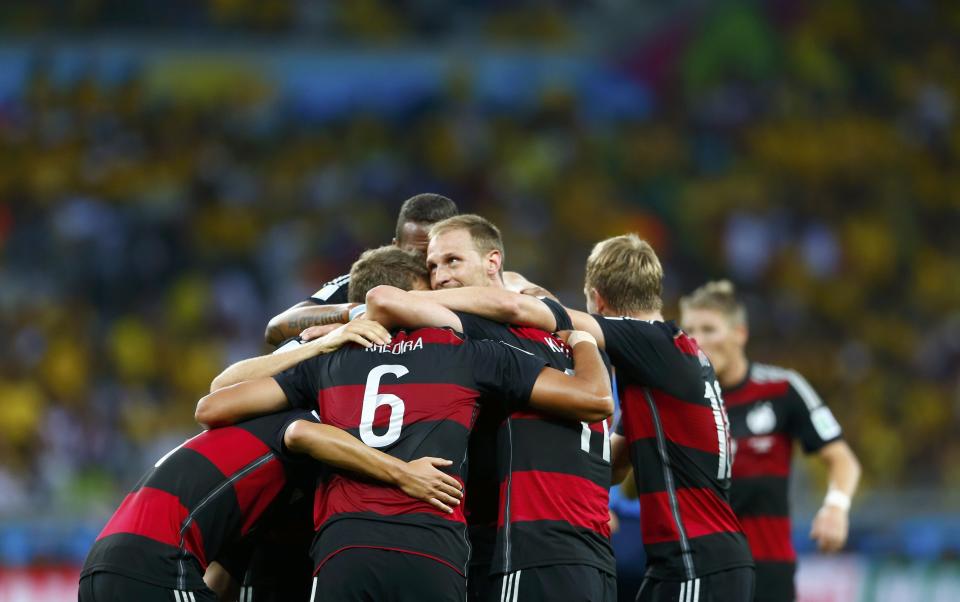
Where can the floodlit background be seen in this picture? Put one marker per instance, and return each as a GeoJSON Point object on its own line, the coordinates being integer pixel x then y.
{"type": "Point", "coordinates": [173, 174]}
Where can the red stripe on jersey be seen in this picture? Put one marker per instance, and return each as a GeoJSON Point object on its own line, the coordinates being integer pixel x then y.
{"type": "Point", "coordinates": [193, 542]}
{"type": "Point", "coordinates": [686, 345]}
{"type": "Point", "coordinates": [151, 513]}
{"type": "Point", "coordinates": [430, 336]}
{"type": "Point", "coordinates": [342, 406]}
{"type": "Point", "coordinates": [763, 456]}
{"type": "Point", "coordinates": [537, 495]}
{"type": "Point", "coordinates": [548, 340]}
{"type": "Point", "coordinates": [257, 489]}
{"type": "Point", "coordinates": [752, 391]}
{"type": "Point", "coordinates": [701, 511]}
{"type": "Point", "coordinates": [684, 423]}
{"type": "Point", "coordinates": [229, 448]}
{"type": "Point", "coordinates": [769, 538]}
{"type": "Point", "coordinates": [343, 495]}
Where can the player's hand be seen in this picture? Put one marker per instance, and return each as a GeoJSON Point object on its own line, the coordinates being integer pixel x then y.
{"type": "Point", "coordinates": [361, 331]}
{"type": "Point", "coordinates": [315, 332]}
{"type": "Point", "coordinates": [614, 522]}
{"type": "Point", "coordinates": [829, 529]}
{"type": "Point", "coordinates": [424, 481]}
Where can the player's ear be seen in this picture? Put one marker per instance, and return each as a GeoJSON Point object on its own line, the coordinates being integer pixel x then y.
{"type": "Point", "coordinates": [598, 301]}
{"type": "Point", "coordinates": [494, 262]}
{"type": "Point", "coordinates": [740, 334]}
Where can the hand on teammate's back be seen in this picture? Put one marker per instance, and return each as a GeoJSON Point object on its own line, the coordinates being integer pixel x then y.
{"type": "Point", "coordinates": [366, 333]}
{"type": "Point", "coordinates": [830, 528]}
{"type": "Point", "coordinates": [320, 330]}
{"type": "Point", "coordinates": [423, 480]}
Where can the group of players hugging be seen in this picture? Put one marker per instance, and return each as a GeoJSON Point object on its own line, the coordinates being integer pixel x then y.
{"type": "Point", "coordinates": [431, 427]}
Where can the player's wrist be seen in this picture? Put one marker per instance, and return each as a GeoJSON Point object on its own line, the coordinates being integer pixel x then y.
{"type": "Point", "coordinates": [579, 336]}
{"type": "Point", "coordinates": [356, 311]}
{"type": "Point", "coordinates": [837, 499]}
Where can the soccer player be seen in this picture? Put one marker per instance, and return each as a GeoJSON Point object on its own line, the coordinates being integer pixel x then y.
{"type": "Point", "coordinates": [770, 408]}
{"type": "Point", "coordinates": [673, 425]}
{"type": "Point", "coordinates": [215, 489]}
{"type": "Point", "coordinates": [417, 215]}
{"type": "Point", "coordinates": [539, 486]}
{"type": "Point", "coordinates": [420, 393]}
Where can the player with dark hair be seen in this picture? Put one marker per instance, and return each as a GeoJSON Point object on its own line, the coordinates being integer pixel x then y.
{"type": "Point", "coordinates": [538, 510]}
{"type": "Point", "coordinates": [418, 394]}
{"type": "Point", "coordinates": [673, 427]}
{"type": "Point", "coordinates": [769, 408]}
{"type": "Point", "coordinates": [417, 215]}
{"type": "Point", "coordinates": [216, 489]}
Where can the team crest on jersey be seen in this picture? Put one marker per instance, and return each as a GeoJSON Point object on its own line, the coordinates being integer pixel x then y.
{"type": "Point", "coordinates": [762, 419]}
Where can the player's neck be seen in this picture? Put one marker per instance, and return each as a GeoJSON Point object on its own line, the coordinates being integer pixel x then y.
{"type": "Point", "coordinates": [496, 281]}
{"type": "Point", "coordinates": [735, 372]}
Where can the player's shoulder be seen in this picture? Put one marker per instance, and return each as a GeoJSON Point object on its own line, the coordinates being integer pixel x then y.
{"type": "Point", "coordinates": [332, 290]}
{"type": "Point", "coordinates": [768, 374]}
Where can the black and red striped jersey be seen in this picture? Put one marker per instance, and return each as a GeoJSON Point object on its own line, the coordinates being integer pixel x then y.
{"type": "Point", "coordinates": [770, 409]}
{"type": "Point", "coordinates": [418, 396]}
{"type": "Point", "coordinates": [552, 475]}
{"type": "Point", "coordinates": [677, 431]}
{"type": "Point", "coordinates": [208, 493]}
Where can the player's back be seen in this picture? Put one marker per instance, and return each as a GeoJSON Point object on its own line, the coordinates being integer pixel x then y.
{"type": "Point", "coordinates": [418, 396]}
{"type": "Point", "coordinates": [211, 490]}
{"type": "Point", "coordinates": [553, 475]}
{"type": "Point", "coordinates": [677, 431]}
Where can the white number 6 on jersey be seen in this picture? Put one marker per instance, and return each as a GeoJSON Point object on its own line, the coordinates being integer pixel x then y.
{"type": "Point", "coordinates": [373, 400]}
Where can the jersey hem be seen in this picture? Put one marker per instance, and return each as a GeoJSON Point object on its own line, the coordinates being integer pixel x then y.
{"type": "Point", "coordinates": [653, 573]}
{"type": "Point", "coordinates": [107, 568]}
{"type": "Point", "coordinates": [388, 549]}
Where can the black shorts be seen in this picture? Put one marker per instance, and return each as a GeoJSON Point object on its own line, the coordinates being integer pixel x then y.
{"type": "Point", "coordinates": [363, 574]}
{"type": "Point", "coordinates": [567, 582]}
{"type": "Point", "coordinates": [775, 582]}
{"type": "Point", "coordinates": [735, 585]}
{"type": "Point", "coordinates": [111, 587]}
{"type": "Point", "coordinates": [479, 582]}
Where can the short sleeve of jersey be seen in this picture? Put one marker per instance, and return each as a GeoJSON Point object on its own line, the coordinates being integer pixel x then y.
{"type": "Point", "coordinates": [333, 292]}
{"type": "Point", "coordinates": [559, 314]}
{"type": "Point", "coordinates": [811, 421]}
{"type": "Point", "coordinates": [630, 345]}
{"type": "Point", "coordinates": [504, 372]}
{"type": "Point", "coordinates": [301, 384]}
{"type": "Point", "coordinates": [477, 327]}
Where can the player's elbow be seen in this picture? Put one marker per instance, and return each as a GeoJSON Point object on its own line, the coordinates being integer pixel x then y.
{"type": "Point", "coordinates": [295, 435]}
{"type": "Point", "coordinates": [383, 301]}
{"type": "Point", "coordinates": [597, 406]}
{"type": "Point", "coordinates": [273, 335]}
{"type": "Point", "coordinates": [208, 413]}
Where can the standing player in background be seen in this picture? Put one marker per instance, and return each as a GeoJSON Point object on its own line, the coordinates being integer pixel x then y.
{"type": "Point", "coordinates": [417, 215]}
{"type": "Point", "coordinates": [674, 428]}
{"type": "Point", "coordinates": [769, 408]}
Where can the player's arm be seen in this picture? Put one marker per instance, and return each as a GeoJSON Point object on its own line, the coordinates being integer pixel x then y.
{"type": "Point", "coordinates": [585, 394]}
{"type": "Point", "coordinates": [303, 315]}
{"type": "Point", "coordinates": [362, 332]}
{"type": "Point", "coordinates": [516, 282]}
{"type": "Point", "coordinates": [221, 582]}
{"type": "Point", "coordinates": [831, 523]}
{"type": "Point", "coordinates": [241, 401]}
{"type": "Point", "coordinates": [395, 308]}
{"type": "Point", "coordinates": [495, 304]}
{"type": "Point", "coordinates": [420, 479]}
{"type": "Point", "coordinates": [619, 459]}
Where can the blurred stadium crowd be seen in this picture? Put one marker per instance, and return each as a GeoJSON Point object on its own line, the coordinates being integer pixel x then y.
{"type": "Point", "coordinates": [147, 238]}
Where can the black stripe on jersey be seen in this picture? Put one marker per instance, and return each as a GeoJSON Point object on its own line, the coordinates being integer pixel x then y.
{"type": "Point", "coordinates": [437, 438]}
{"type": "Point", "coordinates": [188, 474]}
{"type": "Point", "coordinates": [691, 467]}
{"type": "Point", "coordinates": [564, 454]}
{"type": "Point", "coordinates": [436, 537]}
{"type": "Point", "coordinates": [760, 496]}
{"type": "Point", "coordinates": [718, 551]}
{"type": "Point", "coordinates": [548, 542]}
